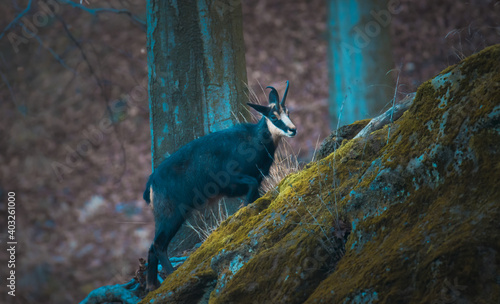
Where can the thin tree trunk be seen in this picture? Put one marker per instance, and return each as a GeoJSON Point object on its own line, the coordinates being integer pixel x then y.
{"type": "Point", "coordinates": [197, 78]}
{"type": "Point", "coordinates": [360, 58]}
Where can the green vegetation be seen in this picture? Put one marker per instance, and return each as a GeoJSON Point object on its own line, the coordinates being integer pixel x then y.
{"type": "Point", "coordinates": [424, 209]}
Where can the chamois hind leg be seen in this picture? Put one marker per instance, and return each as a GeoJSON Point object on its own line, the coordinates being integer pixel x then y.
{"type": "Point", "coordinates": [252, 185]}
{"type": "Point", "coordinates": [166, 230]}
{"type": "Point", "coordinates": [168, 220]}
{"type": "Point", "coordinates": [152, 273]}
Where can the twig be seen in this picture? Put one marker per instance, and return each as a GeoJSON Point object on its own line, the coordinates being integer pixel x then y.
{"type": "Point", "coordinates": [393, 103]}
{"type": "Point", "coordinates": [390, 115]}
{"type": "Point", "coordinates": [16, 20]}
{"type": "Point", "coordinates": [335, 167]}
{"type": "Point", "coordinates": [92, 11]}
{"type": "Point", "coordinates": [101, 87]}
{"type": "Point", "coordinates": [96, 11]}
{"type": "Point", "coordinates": [51, 51]}
{"type": "Point", "coordinates": [6, 81]}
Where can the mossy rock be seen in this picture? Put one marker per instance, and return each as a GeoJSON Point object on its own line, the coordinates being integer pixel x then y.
{"type": "Point", "coordinates": [337, 137]}
{"type": "Point", "coordinates": [423, 205]}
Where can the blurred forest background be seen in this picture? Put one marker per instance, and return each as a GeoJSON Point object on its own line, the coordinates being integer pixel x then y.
{"type": "Point", "coordinates": [85, 225]}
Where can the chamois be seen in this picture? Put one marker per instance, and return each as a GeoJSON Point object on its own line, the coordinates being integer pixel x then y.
{"type": "Point", "coordinates": [230, 163]}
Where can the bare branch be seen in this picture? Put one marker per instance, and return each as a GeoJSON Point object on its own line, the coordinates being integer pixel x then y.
{"type": "Point", "coordinates": [51, 51]}
{"type": "Point", "coordinates": [96, 11]}
{"type": "Point", "coordinates": [102, 89]}
{"type": "Point", "coordinates": [390, 115]}
{"type": "Point", "coordinates": [92, 11]}
{"type": "Point", "coordinates": [6, 81]}
{"type": "Point", "coordinates": [16, 20]}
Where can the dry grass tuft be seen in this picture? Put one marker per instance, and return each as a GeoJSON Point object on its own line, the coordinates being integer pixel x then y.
{"type": "Point", "coordinates": [285, 162]}
{"type": "Point", "coordinates": [204, 223]}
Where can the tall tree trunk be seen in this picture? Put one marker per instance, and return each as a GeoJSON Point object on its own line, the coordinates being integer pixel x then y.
{"type": "Point", "coordinates": [197, 71]}
{"type": "Point", "coordinates": [197, 77]}
{"type": "Point", "coordinates": [360, 58]}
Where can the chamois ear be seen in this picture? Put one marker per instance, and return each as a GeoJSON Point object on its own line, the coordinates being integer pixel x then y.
{"type": "Point", "coordinates": [261, 109]}
{"type": "Point", "coordinates": [273, 96]}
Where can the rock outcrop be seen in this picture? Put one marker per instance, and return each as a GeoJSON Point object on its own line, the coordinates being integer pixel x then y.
{"type": "Point", "coordinates": [410, 216]}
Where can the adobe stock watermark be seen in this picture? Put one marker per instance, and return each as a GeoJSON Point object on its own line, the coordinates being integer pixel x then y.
{"type": "Point", "coordinates": [11, 243]}
{"type": "Point", "coordinates": [93, 135]}
{"type": "Point", "coordinates": [47, 10]}
{"type": "Point", "coordinates": [450, 293]}
{"type": "Point", "coordinates": [222, 7]}
{"type": "Point", "coordinates": [363, 35]}
{"type": "Point", "coordinates": [291, 278]}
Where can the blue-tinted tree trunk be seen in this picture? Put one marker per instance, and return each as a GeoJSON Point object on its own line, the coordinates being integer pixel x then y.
{"type": "Point", "coordinates": [197, 70]}
{"type": "Point", "coordinates": [360, 58]}
{"type": "Point", "coordinates": [197, 77]}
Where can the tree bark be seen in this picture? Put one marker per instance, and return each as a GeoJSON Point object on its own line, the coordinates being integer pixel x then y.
{"type": "Point", "coordinates": [197, 71]}
{"type": "Point", "coordinates": [360, 58]}
{"type": "Point", "coordinates": [197, 78]}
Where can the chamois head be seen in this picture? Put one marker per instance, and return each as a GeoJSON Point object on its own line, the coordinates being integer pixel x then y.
{"type": "Point", "coordinates": [276, 114]}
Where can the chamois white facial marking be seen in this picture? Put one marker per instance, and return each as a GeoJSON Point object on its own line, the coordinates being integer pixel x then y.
{"type": "Point", "coordinates": [276, 132]}
{"type": "Point", "coordinates": [287, 128]}
{"type": "Point", "coordinates": [286, 120]}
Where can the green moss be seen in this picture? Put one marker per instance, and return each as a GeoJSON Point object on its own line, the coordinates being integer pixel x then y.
{"type": "Point", "coordinates": [283, 230]}
{"type": "Point", "coordinates": [411, 238]}
{"type": "Point", "coordinates": [440, 243]}
{"type": "Point", "coordinates": [337, 137]}
{"type": "Point", "coordinates": [470, 81]}
{"type": "Point", "coordinates": [423, 206]}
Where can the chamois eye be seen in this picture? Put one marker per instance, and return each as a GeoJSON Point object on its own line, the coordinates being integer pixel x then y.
{"type": "Point", "coordinates": [273, 117]}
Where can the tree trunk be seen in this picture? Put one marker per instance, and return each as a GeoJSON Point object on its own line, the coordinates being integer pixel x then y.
{"type": "Point", "coordinates": [360, 59]}
{"type": "Point", "coordinates": [197, 78]}
{"type": "Point", "coordinates": [197, 71]}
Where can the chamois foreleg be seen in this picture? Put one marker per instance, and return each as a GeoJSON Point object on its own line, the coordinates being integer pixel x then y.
{"type": "Point", "coordinates": [250, 183]}
{"type": "Point", "coordinates": [164, 234]}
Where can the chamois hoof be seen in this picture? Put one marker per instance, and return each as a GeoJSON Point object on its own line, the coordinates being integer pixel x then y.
{"type": "Point", "coordinates": [152, 287]}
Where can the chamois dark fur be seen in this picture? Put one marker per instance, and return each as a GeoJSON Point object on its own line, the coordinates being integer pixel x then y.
{"type": "Point", "coordinates": [228, 163]}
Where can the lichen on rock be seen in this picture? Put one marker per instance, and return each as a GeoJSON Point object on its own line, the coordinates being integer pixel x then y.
{"type": "Point", "coordinates": [337, 137]}
{"type": "Point", "coordinates": [423, 206]}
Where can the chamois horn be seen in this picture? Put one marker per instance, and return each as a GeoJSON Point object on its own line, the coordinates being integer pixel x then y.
{"type": "Point", "coordinates": [284, 95]}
